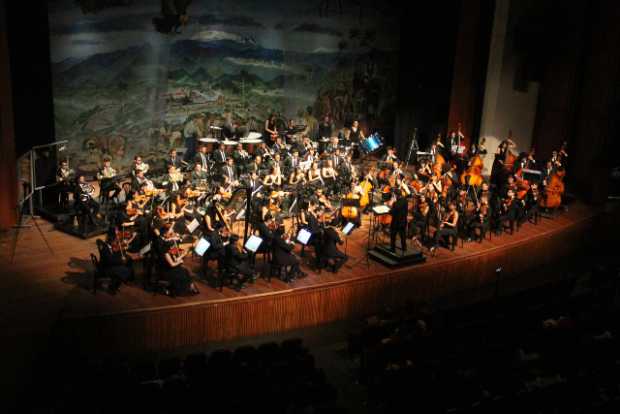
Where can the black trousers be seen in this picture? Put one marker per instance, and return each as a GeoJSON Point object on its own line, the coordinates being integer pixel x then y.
{"type": "Point", "coordinates": [443, 232]}
{"type": "Point", "coordinates": [339, 260]}
{"type": "Point", "coordinates": [401, 232]}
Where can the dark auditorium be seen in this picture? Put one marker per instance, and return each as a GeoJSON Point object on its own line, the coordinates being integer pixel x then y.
{"type": "Point", "coordinates": [319, 206]}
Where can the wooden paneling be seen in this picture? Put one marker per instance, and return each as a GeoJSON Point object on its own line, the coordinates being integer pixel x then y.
{"type": "Point", "coordinates": [473, 270]}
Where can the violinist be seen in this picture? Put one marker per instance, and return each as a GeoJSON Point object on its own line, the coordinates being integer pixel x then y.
{"type": "Point", "coordinates": [278, 147]}
{"type": "Point", "coordinates": [264, 230]}
{"type": "Point", "coordinates": [219, 155]}
{"type": "Point", "coordinates": [113, 262]}
{"type": "Point", "coordinates": [418, 226]}
{"type": "Point", "coordinates": [293, 161]}
{"type": "Point", "coordinates": [508, 211]}
{"type": "Point", "coordinates": [390, 155]}
{"type": "Point", "coordinates": [171, 264]}
{"type": "Point", "coordinates": [182, 227]}
{"type": "Point", "coordinates": [447, 227]}
{"type": "Point", "coordinates": [282, 246]}
{"type": "Point", "coordinates": [323, 201]}
{"type": "Point", "coordinates": [215, 251]}
{"type": "Point", "coordinates": [479, 225]}
{"type": "Point", "coordinates": [532, 200]}
{"type": "Point", "coordinates": [425, 172]}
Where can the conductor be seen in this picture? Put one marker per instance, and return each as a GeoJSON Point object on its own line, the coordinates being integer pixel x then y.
{"type": "Point", "coordinates": [399, 222]}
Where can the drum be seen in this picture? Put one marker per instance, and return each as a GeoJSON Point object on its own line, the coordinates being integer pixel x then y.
{"type": "Point", "coordinates": [230, 145]}
{"type": "Point", "coordinates": [371, 143]}
{"type": "Point", "coordinates": [254, 135]}
{"type": "Point", "coordinates": [250, 144]}
{"type": "Point", "coordinates": [210, 143]}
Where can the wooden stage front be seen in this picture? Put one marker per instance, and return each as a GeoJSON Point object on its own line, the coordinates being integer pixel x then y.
{"type": "Point", "coordinates": [135, 320]}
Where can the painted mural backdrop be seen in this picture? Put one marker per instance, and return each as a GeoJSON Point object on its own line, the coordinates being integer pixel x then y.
{"type": "Point", "coordinates": [122, 88]}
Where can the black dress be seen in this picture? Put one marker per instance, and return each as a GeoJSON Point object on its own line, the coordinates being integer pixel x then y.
{"type": "Point", "coordinates": [177, 276]}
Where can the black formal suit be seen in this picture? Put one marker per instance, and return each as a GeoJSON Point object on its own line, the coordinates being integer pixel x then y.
{"type": "Point", "coordinates": [229, 172]}
{"type": "Point", "coordinates": [176, 161]}
{"type": "Point", "coordinates": [267, 235]}
{"type": "Point", "coordinates": [203, 159]}
{"type": "Point", "coordinates": [236, 260]}
{"type": "Point", "coordinates": [331, 241]}
{"type": "Point", "coordinates": [219, 156]}
{"type": "Point", "coordinates": [399, 223]}
{"type": "Point", "coordinates": [282, 252]}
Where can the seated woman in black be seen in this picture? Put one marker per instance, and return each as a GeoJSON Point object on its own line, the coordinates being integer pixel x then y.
{"type": "Point", "coordinates": [172, 267]}
{"type": "Point", "coordinates": [448, 227]}
{"type": "Point", "coordinates": [238, 262]}
{"type": "Point", "coordinates": [117, 267]}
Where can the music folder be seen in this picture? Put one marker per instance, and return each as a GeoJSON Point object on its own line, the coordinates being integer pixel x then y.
{"type": "Point", "coordinates": [193, 225]}
{"type": "Point", "coordinates": [202, 246]}
{"type": "Point", "coordinates": [253, 243]}
{"type": "Point", "coordinates": [304, 236]}
{"type": "Point", "coordinates": [381, 209]}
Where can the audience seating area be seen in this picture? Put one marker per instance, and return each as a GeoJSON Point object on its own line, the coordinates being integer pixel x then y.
{"type": "Point", "coordinates": [274, 378]}
{"type": "Point", "coordinates": [553, 349]}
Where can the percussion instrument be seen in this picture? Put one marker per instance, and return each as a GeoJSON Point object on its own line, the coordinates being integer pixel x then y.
{"type": "Point", "coordinates": [254, 135]}
{"type": "Point", "coordinates": [371, 143]}
{"type": "Point", "coordinates": [250, 144]}
{"type": "Point", "coordinates": [210, 143]}
{"type": "Point", "coordinates": [230, 145]}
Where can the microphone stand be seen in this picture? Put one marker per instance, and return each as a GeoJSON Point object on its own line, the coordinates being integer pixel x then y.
{"type": "Point", "coordinates": [413, 146]}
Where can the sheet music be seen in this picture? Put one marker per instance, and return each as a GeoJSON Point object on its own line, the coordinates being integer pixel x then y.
{"type": "Point", "coordinates": [193, 225]}
{"type": "Point", "coordinates": [382, 209]}
{"type": "Point", "coordinates": [253, 243]}
{"type": "Point", "coordinates": [202, 246]}
{"type": "Point", "coordinates": [145, 249]}
{"type": "Point", "coordinates": [304, 236]}
{"type": "Point", "coordinates": [346, 230]}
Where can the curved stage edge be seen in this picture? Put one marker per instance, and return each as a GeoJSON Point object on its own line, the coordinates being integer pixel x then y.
{"type": "Point", "coordinates": [364, 292]}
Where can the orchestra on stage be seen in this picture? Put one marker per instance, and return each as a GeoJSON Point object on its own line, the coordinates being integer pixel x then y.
{"type": "Point", "coordinates": [236, 202]}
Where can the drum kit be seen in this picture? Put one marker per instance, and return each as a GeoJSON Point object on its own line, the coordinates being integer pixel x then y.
{"type": "Point", "coordinates": [250, 143]}
{"type": "Point", "coordinates": [371, 144]}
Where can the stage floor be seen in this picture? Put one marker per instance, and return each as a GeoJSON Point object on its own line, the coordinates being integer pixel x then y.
{"type": "Point", "coordinates": [60, 280]}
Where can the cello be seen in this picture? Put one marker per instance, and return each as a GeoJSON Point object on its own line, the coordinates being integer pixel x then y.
{"type": "Point", "coordinates": [474, 172]}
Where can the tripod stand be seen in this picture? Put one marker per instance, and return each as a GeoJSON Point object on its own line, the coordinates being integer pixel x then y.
{"type": "Point", "coordinates": [412, 147]}
{"type": "Point", "coordinates": [23, 224]}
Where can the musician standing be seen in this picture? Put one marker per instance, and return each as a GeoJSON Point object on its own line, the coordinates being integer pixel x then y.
{"type": "Point", "coordinates": [326, 128]}
{"type": "Point", "coordinates": [64, 176]}
{"type": "Point", "coordinates": [398, 226]}
{"type": "Point", "coordinates": [270, 131]}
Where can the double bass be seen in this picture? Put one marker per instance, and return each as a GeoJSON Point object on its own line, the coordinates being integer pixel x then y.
{"type": "Point", "coordinates": [552, 197]}
{"type": "Point", "coordinates": [474, 172]}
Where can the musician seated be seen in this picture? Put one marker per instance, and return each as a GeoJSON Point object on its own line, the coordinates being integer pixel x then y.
{"type": "Point", "coordinates": [293, 161]}
{"type": "Point", "coordinates": [323, 201]}
{"type": "Point", "coordinates": [139, 165]}
{"type": "Point", "coordinates": [390, 155]}
{"type": "Point", "coordinates": [108, 188]}
{"type": "Point", "coordinates": [448, 227]}
{"type": "Point", "coordinates": [199, 176]}
{"type": "Point", "coordinates": [310, 155]}
{"type": "Point", "coordinates": [172, 159]}
{"type": "Point", "coordinates": [202, 158]}
{"type": "Point", "coordinates": [507, 213]}
{"type": "Point", "coordinates": [351, 210]}
{"type": "Point", "coordinates": [171, 266]}
{"type": "Point", "coordinates": [425, 172]}
{"type": "Point", "coordinates": [263, 151]}
{"type": "Point", "coordinates": [273, 179]}
{"type": "Point", "coordinates": [257, 166]}
{"type": "Point", "coordinates": [64, 179]}
{"type": "Point", "coordinates": [282, 249]}
{"type": "Point", "coordinates": [418, 226]}
{"type": "Point", "coordinates": [229, 173]}
{"type": "Point", "coordinates": [480, 223]}
{"type": "Point", "coordinates": [219, 155]}
{"type": "Point", "coordinates": [326, 128]}
{"type": "Point", "coordinates": [237, 262]}
{"type": "Point", "coordinates": [277, 162]}
{"type": "Point", "coordinates": [334, 144]}
{"type": "Point", "coordinates": [215, 237]}
{"type": "Point", "coordinates": [329, 175]}
{"type": "Point", "coordinates": [85, 205]}
{"type": "Point", "coordinates": [113, 263]}
{"type": "Point", "coordinates": [263, 229]}
{"type": "Point", "coordinates": [314, 174]}
{"type": "Point", "coordinates": [278, 147]}
{"type": "Point", "coordinates": [532, 199]}
{"type": "Point", "coordinates": [253, 182]}
{"type": "Point", "coordinates": [242, 158]}
{"type": "Point", "coordinates": [331, 240]}
{"type": "Point", "coordinates": [173, 180]}
{"type": "Point", "coordinates": [139, 182]}
{"type": "Point", "coordinates": [182, 227]}
{"type": "Point", "coordinates": [297, 177]}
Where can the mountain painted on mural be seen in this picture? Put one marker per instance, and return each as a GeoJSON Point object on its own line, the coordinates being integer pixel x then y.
{"type": "Point", "coordinates": [193, 61]}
